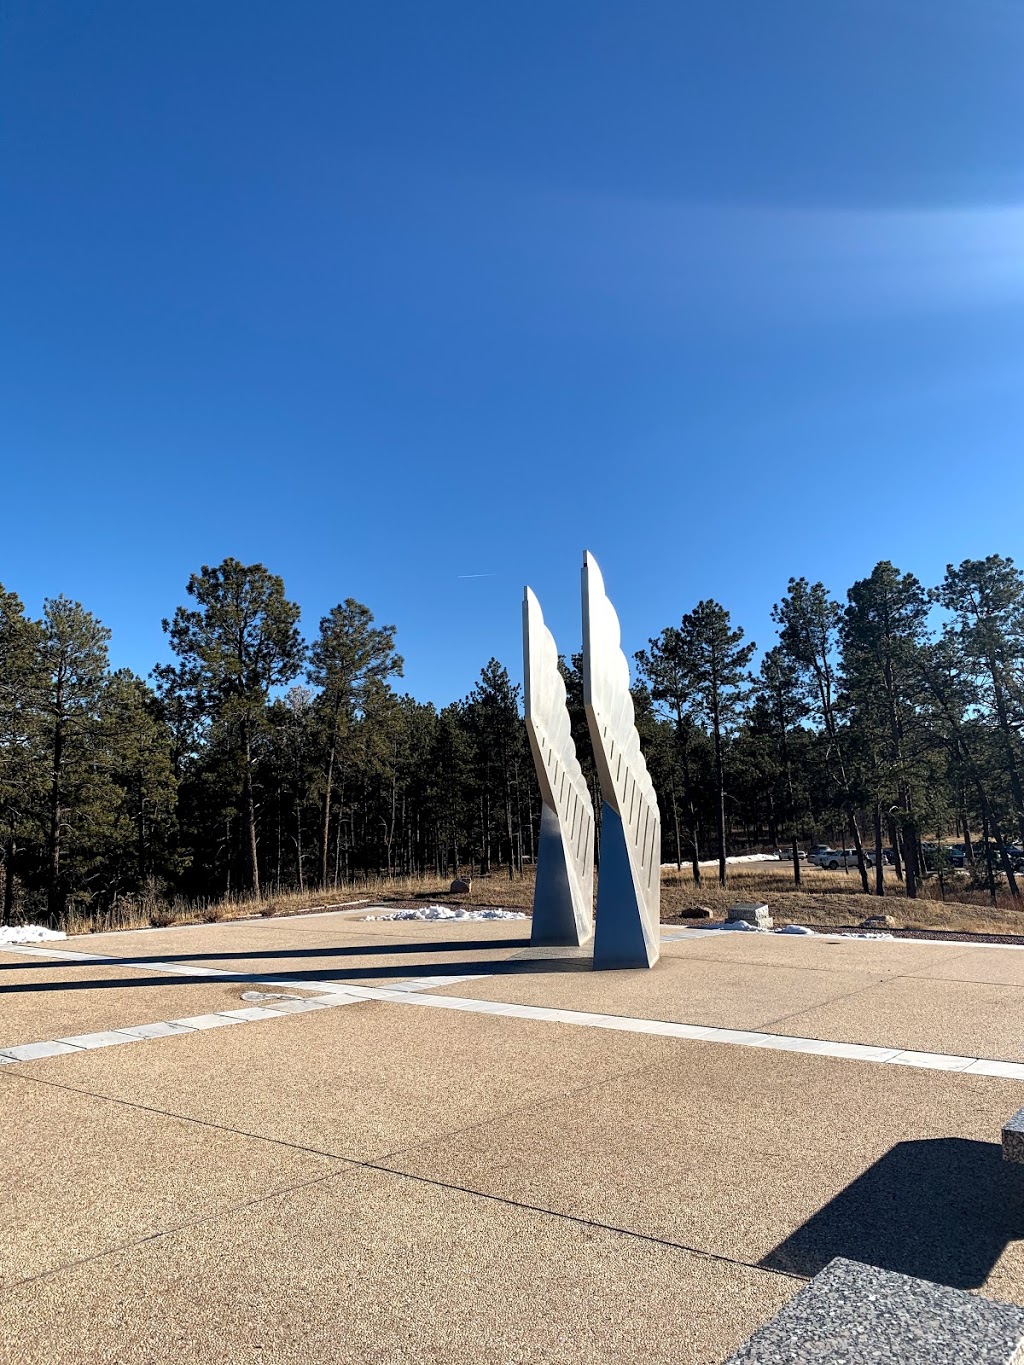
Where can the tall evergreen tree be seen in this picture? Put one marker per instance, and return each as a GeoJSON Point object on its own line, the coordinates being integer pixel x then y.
{"type": "Point", "coordinates": [349, 656]}
{"type": "Point", "coordinates": [986, 599]}
{"type": "Point", "coordinates": [808, 619]}
{"type": "Point", "coordinates": [882, 632]}
{"type": "Point", "coordinates": [716, 661]}
{"type": "Point", "coordinates": [20, 684]}
{"type": "Point", "coordinates": [73, 659]}
{"type": "Point", "coordinates": [239, 641]}
{"type": "Point", "coordinates": [666, 667]}
{"type": "Point", "coordinates": [785, 707]}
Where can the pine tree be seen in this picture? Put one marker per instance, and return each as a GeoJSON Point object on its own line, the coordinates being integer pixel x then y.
{"type": "Point", "coordinates": [20, 681]}
{"type": "Point", "coordinates": [73, 660]}
{"type": "Point", "coordinates": [986, 598]}
{"type": "Point", "coordinates": [784, 707]}
{"type": "Point", "coordinates": [349, 656]}
{"type": "Point", "coordinates": [809, 619]}
{"type": "Point", "coordinates": [239, 642]}
{"type": "Point", "coordinates": [716, 662]}
{"type": "Point", "coordinates": [882, 632]}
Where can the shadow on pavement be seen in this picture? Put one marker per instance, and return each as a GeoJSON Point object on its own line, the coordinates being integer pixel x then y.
{"type": "Point", "coordinates": [941, 1209]}
{"type": "Point", "coordinates": [365, 975]}
{"type": "Point", "coordinates": [348, 950]}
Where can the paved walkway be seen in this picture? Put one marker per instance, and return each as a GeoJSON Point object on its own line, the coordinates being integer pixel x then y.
{"type": "Point", "coordinates": [427, 1154]}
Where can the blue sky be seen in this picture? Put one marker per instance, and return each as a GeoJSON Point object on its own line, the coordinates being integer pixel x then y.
{"type": "Point", "coordinates": [385, 295]}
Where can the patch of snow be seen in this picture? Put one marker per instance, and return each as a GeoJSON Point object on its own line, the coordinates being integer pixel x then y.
{"type": "Point", "coordinates": [439, 912]}
{"type": "Point", "coordinates": [867, 936]}
{"type": "Point", "coordinates": [794, 929]}
{"type": "Point", "coordinates": [741, 926]}
{"type": "Point", "coordinates": [732, 858]}
{"type": "Point", "coordinates": [28, 933]}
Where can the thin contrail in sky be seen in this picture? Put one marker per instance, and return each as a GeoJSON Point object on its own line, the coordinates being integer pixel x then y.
{"type": "Point", "coordinates": [476, 575]}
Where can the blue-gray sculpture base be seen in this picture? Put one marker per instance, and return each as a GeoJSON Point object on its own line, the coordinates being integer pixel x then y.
{"type": "Point", "coordinates": [554, 919]}
{"type": "Point", "coordinates": [619, 933]}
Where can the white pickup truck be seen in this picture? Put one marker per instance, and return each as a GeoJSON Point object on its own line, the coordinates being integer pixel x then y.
{"type": "Point", "coordinates": [834, 858]}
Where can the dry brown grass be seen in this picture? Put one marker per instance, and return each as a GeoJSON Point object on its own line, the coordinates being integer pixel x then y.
{"type": "Point", "coordinates": [825, 899]}
{"type": "Point", "coordinates": [831, 899]}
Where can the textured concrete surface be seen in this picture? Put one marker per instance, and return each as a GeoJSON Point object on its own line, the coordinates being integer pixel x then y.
{"type": "Point", "coordinates": [887, 957]}
{"type": "Point", "coordinates": [742, 1149]}
{"type": "Point", "coordinates": [362, 1081]}
{"type": "Point", "coordinates": [999, 966]}
{"type": "Point", "coordinates": [721, 994]}
{"type": "Point", "coordinates": [83, 1175]}
{"type": "Point", "coordinates": [371, 1268]}
{"type": "Point", "coordinates": [975, 1019]}
{"type": "Point", "coordinates": [41, 999]}
{"type": "Point", "coordinates": [287, 931]}
{"type": "Point", "coordinates": [795, 987]}
{"type": "Point", "coordinates": [538, 1192]}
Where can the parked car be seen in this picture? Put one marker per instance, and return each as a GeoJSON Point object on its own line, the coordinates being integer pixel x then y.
{"type": "Point", "coordinates": [834, 858]}
{"type": "Point", "coordinates": [786, 854]}
{"type": "Point", "coordinates": [816, 852]}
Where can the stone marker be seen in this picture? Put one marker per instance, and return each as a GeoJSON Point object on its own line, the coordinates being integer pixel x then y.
{"type": "Point", "coordinates": [460, 887]}
{"type": "Point", "coordinates": [852, 1313]}
{"type": "Point", "coordinates": [751, 912]}
{"type": "Point", "coordinates": [878, 922]}
{"type": "Point", "coordinates": [1013, 1138]}
{"type": "Point", "coordinates": [697, 912]}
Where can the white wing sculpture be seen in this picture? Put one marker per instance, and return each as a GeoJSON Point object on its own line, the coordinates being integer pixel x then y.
{"type": "Point", "coordinates": [629, 878]}
{"type": "Point", "coordinates": [563, 898]}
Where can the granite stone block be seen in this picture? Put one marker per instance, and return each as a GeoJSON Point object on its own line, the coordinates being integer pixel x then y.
{"type": "Point", "coordinates": [850, 1314]}
{"type": "Point", "coordinates": [750, 912]}
{"type": "Point", "coordinates": [1013, 1138]}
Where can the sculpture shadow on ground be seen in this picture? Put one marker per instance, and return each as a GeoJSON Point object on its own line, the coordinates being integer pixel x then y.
{"type": "Point", "coordinates": [367, 975]}
{"type": "Point", "coordinates": [290, 954]}
{"type": "Point", "coordinates": [940, 1209]}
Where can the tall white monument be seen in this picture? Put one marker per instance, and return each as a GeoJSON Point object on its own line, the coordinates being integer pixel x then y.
{"type": "Point", "coordinates": [629, 878]}
{"type": "Point", "coordinates": [563, 898]}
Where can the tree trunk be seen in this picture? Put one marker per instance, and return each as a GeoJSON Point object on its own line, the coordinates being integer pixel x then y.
{"type": "Point", "coordinates": [879, 860]}
{"type": "Point", "coordinates": [326, 821]}
{"type": "Point", "coordinates": [859, 846]}
{"type": "Point", "coordinates": [1016, 786]}
{"type": "Point", "coordinates": [675, 824]}
{"type": "Point", "coordinates": [720, 812]}
{"type": "Point", "coordinates": [8, 909]}
{"type": "Point", "coordinates": [54, 899]}
{"type": "Point", "coordinates": [298, 844]}
{"type": "Point", "coordinates": [249, 806]}
{"type": "Point", "coordinates": [911, 846]}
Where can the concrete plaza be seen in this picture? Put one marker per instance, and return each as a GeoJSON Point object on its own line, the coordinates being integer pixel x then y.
{"type": "Point", "coordinates": [426, 1142]}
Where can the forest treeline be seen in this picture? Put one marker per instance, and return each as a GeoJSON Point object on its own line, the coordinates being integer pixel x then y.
{"type": "Point", "coordinates": [258, 761]}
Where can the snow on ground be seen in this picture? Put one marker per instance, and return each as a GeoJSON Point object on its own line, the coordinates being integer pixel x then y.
{"type": "Point", "coordinates": [28, 933]}
{"type": "Point", "coordinates": [743, 927]}
{"type": "Point", "coordinates": [733, 858]}
{"type": "Point", "coordinates": [436, 912]}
